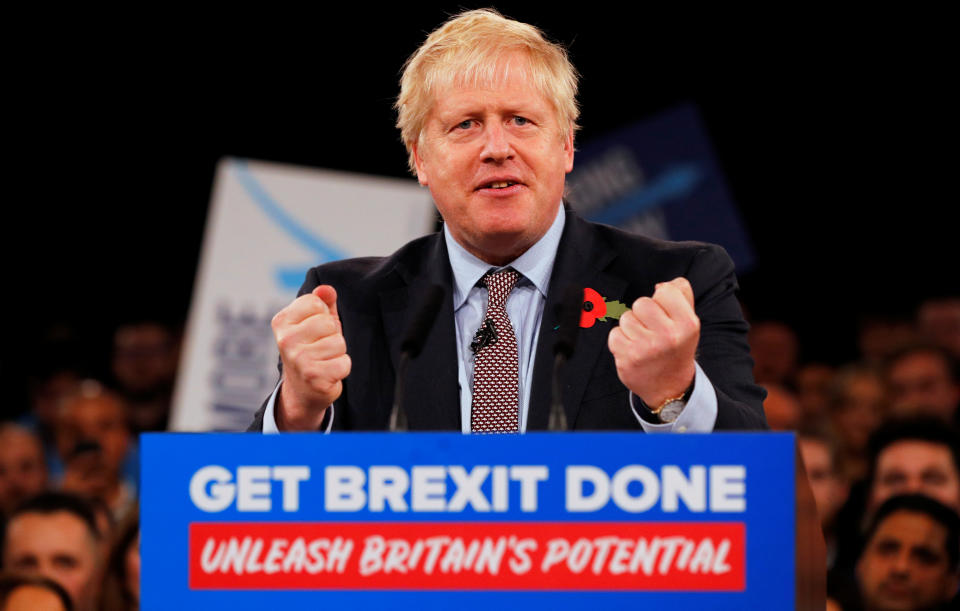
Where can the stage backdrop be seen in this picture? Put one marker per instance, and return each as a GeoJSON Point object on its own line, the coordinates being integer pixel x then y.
{"type": "Point", "coordinates": [268, 224]}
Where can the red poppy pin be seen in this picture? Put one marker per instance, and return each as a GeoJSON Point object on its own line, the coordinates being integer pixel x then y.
{"type": "Point", "coordinates": [595, 308]}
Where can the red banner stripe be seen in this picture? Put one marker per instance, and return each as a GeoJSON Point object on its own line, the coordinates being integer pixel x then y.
{"type": "Point", "coordinates": [693, 556]}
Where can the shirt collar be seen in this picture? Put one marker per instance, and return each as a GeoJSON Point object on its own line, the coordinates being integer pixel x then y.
{"type": "Point", "coordinates": [535, 264]}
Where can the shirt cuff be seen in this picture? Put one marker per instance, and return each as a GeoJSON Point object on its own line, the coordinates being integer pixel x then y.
{"type": "Point", "coordinates": [270, 420]}
{"type": "Point", "coordinates": [699, 415]}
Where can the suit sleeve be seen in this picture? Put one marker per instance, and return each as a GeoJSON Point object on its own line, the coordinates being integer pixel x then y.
{"type": "Point", "coordinates": [723, 352]}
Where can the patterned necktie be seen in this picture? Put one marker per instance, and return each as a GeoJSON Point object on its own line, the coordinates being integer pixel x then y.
{"type": "Point", "coordinates": [496, 381]}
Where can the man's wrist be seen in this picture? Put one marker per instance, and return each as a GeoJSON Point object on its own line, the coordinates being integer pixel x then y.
{"type": "Point", "coordinates": [291, 416]}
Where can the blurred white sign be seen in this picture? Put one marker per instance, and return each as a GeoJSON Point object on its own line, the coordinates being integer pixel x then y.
{"type": "Point", "coordinates": [268, 224]}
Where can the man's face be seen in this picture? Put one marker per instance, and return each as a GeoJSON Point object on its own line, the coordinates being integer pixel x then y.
{"type": "Point", "coordinates": [905, 566]}
{"type": "Point", "coordinates": [827, 490]}
{"type": "Point", "coordinates": [58, 546]}
{"type": "Point", "coordinates": [102, 419]}
{"type": "Point", "coordinates": [495, 162]}
{"type": "Point", "coordinates": [920, 383]}
{"type": "Point", "coordinates": [23, 472]}
{"type": "Point", "coordinates": [916, 467]}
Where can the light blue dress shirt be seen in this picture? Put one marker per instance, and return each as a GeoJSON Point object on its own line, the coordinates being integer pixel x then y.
{"type": "Point", "coordinates": [525, 308]}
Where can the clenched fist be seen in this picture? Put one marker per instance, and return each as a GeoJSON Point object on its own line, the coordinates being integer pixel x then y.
{"type": "Point", "coordinates": [314, 356]}
{"type": "Point", "coordinates": [656, 342]}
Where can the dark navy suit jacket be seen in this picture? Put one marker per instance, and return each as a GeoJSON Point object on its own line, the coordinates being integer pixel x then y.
{"type": "Point", "coordinates": [377, 297]}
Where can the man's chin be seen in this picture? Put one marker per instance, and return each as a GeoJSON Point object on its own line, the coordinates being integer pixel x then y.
{"type": "Point", "coordinates": [499, 248]}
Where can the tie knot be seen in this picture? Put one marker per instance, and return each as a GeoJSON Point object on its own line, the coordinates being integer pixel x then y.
{"type": "Point", "coordinates": [499, 284]}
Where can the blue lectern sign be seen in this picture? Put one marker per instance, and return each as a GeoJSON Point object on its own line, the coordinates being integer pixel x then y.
{"type": "Point", "coordinates": [421, 521]}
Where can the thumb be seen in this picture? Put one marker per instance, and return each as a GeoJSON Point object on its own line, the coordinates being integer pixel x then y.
{"type": "Point", "coordinates": [328, 295]}
{"type": "Point", "coordinates": [684, 285]}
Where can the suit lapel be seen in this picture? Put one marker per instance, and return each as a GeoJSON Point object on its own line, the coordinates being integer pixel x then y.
{"type": "Point", "coordinates": [431, 388]}
{"type": "Point", "coordinates": [580, 260]}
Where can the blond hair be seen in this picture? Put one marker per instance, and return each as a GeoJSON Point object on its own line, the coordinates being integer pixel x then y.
{"type": "Point", "coordinates": [470, 48]}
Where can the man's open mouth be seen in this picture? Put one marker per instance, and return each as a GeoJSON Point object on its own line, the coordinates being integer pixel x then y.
{"type": "Point", "coordinates": [501, 184]}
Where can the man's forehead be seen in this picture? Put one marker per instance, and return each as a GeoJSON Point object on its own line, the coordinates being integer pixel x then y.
{"type": "Point", "coordinates": [908, 526]}
{"type": "Point", "coordinates": [61, 525]}
{"type": "Point", "coordinates": [896, 453]}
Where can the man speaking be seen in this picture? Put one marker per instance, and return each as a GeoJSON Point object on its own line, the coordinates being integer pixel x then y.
{"type": "Point", "coordinates": [487, 111]}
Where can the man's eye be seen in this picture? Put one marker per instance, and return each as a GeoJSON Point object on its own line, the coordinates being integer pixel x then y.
{"type": "Point", "coordinates": [521, 120]}
{"type": "Point", "coordinates": [465, 124]}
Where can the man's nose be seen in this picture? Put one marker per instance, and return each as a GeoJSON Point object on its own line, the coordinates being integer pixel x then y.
{"type": "Point", "coordinates": [901, 564]}
{"type": "Point", "coordinates": [496, 143]}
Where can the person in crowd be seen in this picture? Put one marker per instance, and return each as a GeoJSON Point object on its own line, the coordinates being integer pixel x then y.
{"type": "Point", "coordinates": [94, 443]}
{"type": "Point", "coordinates": [54, 535]}
{"type": "Point", "coordinates": [144, 365]}
{"type": "Point", "coordinates": [915, 456]}
{"type": "Point", "coordinates": [813, 382]}
{"type": "Point", "coordinates": [781, 408]}
{"type": "Point", "coordinates": [857, 407]}
{"type": "Point", "coordinates": [922, 379]}
{"type": "Point", "coordinates": [879, 336]}
{"type": "Point", "coordinates": [22, 593]}
{"type": "Point", "coordinates": [121, 583]}
{"type": "Point", "coordinates": [23, 470]}
{"type": "Point", "coordinates": [775, 350]}
{"type": "Point", "coordinates": [818, 449]}
{"type": "Point", "coordinates": [938, 321]}
{"type": "Point", "coordinates": [910, 559]}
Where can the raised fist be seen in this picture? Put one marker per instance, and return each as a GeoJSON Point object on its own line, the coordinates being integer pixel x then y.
{"type": "Point", "coordinates": [314, 356]}
{"type": "Point", "coordinates": [656, 342]}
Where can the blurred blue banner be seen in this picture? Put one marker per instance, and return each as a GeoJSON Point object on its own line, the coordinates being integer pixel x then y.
{"type": "Point", "coordinates": [660, 178]}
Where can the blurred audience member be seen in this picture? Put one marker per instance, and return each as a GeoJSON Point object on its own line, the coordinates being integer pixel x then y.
{"type": "Point", "coordinates": [781, 408]}
{"type": "Point", "coordinates": [813, 382]}
{"type": "Point", "coordinates": [857, 406]}
{"type": "Point", "coordinates": [93, 441]}
{"type": "Point", "coordinates": [818, 450]}
{"type": "Point", "coordinates": [923, 380]}
{"type": "Point", "coordinates": [938, 321]}
{"type": "Point", "coordinates": [21, 593]}
{"type": "Point", "coordinates": [881, 336]}
{"type": "Point", "coordinates": [46, 393]}
{"type": "Point", "coordinates": [121, 584]}
{"type": "Point", "coordinates": [917, 456]}
{"type": "Point", "coordinates": [54, 535]}
{"type": "Point", "coordinates": [145, 356]}
{"type": "Point", "coordinates": [23, 470]}
{"type": "Point", "coordinates": [774, 348]}
{"type": "Point", "coordinates": [910, 560]}
{"type": "Point", "coordinates": [914, 456]}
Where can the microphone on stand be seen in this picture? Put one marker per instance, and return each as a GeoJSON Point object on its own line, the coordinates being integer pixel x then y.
{"type": "Point", "coordinates": [568, 315]}
{"type": "Point", "coordinates": [411, 345]}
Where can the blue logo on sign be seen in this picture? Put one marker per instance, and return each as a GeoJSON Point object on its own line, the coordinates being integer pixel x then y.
{"type": "Point", "coordinates": [290, 277]}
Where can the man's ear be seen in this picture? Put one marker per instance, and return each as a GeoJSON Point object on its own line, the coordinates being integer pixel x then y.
{"type": "Point", "coordinates": [418, 162]}
{"type": "Point", "coordinates": [568, 148]}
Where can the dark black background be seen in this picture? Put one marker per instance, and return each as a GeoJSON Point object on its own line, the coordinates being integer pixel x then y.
{"type": "Point", "coordinates": [829, 127]}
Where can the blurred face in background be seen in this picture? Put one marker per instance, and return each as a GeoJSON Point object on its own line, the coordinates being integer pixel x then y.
{"type": "Point", "coordinates": [144, 357]}
{"type": "Point", "coordinates": [921, 383]}
{"type": "Point", "coordinates": [774, 347]}
{"type": "Point", "coordinates": [828, 491]}
{"type": "Point", "coordinates": [813, 389]}
{"type": "Point", "coordinates": [100, 418]}
{"type": "Point", "coordinates": [23, 472]}
{"type": "Point", "coordinates": [917, 467]}
{"type": "Point", "coordinates": [939, 322]}
{"type": "Point", "coordinates": [58, 546]}
{"type": "Point", "coordinates": [905, 564]}
{"type": "Point", "coordinates": [859, 406]}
